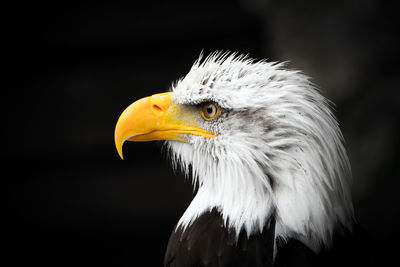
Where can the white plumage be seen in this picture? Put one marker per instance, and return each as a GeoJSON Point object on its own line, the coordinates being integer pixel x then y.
{"type": "Point", "coordinates": [279, 150]}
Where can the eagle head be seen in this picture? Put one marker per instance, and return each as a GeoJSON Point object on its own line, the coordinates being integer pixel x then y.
{"type": "Point", "coordinates": [258, 140]}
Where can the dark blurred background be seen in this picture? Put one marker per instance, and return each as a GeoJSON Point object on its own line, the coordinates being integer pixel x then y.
{"type": "Point", "coordinates": [71, 69]}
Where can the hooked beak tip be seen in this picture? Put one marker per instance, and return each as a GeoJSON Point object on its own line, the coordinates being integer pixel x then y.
{"type": "Point", "coordinates": [118, 145]}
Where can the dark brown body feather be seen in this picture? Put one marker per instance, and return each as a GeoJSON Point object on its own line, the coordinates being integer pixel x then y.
{"type": "Point", "coordinates": [207, 242]}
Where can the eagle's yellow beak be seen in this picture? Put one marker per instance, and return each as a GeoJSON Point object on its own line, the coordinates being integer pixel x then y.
{"type": "Point", "coordinates": [155, 118]}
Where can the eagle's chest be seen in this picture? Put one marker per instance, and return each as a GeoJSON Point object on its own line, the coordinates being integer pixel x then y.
{"type": "Point", "coordinates": [207, 242]}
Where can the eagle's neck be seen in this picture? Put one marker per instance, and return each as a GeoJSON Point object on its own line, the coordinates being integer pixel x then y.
{"type": "Point", "coordinates": [237, 192]}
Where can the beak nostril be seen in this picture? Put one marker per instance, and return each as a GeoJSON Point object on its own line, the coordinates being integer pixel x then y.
{"type": "Point", "coordinates": [157, 107]}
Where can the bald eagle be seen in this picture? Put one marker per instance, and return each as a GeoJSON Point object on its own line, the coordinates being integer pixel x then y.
{"type": "Point", "coordinates": [265, 153]}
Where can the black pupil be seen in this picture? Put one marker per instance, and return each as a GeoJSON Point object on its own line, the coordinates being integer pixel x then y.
{"type": "Point", "coordinates": [209, 109]}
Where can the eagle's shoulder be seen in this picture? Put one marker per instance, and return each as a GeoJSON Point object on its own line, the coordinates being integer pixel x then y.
{"type": "Point", "coordinates": [207, 242]}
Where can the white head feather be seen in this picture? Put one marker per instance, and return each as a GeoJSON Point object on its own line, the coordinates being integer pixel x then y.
{"type": "Point", "coordinates": [279, 151]}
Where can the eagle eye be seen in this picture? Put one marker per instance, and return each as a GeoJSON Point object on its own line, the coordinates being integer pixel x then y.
{"type": "Point", "coordinates": [209, 110]}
